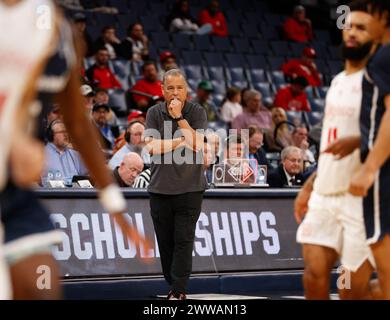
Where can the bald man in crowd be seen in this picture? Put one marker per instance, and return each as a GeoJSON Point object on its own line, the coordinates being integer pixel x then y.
{"type": "Point", "coordinates": [129, 169]}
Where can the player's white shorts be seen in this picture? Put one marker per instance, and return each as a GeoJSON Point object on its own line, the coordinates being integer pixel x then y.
{"type": "Point", "coordinates": [5, 283]}
{"type": "Point", "coordinates": [337, 222]}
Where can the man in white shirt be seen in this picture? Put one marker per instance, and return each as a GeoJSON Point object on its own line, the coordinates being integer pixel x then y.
{"type": "Point", "coordinates": [333, 227]}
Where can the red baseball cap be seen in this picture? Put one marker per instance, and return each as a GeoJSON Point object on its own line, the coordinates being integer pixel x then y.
{"type": "Point", "coordinates": [165, 55]}
{"type": "Point", "coordinates": [134, 115]}
{"type": "Point", "coordinates": [309, 52]}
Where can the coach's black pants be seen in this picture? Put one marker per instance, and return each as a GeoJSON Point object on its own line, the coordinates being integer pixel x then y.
{"type": "Point", "coordinates": [174, 218]}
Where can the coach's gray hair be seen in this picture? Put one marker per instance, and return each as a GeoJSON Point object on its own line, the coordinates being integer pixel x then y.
{"type": "Point", "coordinates": [288, 150]}
{"type": "Point", "coordinates": [250, 94]}
{"type": "Point", "coordinates": [173, 73]}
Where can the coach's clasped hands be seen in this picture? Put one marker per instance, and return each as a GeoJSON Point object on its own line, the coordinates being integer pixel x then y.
{"type": "Point", "coordinates": [174, 108]}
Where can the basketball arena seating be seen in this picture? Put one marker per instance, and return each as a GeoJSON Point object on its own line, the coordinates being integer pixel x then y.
{"type": "Point", "coordinates": [251, 56]}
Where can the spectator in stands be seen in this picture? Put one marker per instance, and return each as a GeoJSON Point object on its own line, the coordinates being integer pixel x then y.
{"type": "Point", "coordinates": [254, 112]}
{"type": "Point", "coordinates": [136, 46]}
{"type": "Point", "coordinates": [289, 172]}
{"type": "Point", "coordinates": [213, 140]}
{"type": "Point", "coordinates": [213, 16]}
{"type": "Point", "coordinates": [231, 106]}
{"type": "Point", "coordinates": [80, 22]}
{"type": "Point", "coordinates": [100, 73]}
{"type": "Point", "coordinates": [134, 143]}
{"type": "Point", "coordinates": [90, 5]}
{"type": "Point", "coordinates": [234, 148]}
{"type": "Point", "coordinates": [108, 40]}
{"type": "Point", "coordinates": [213, 143]}
{"type": "Point", "coordinates": [180, 20]}
{"type": "Point", "coordinates": [136, 115]}
{"type": "Point", "coordinates": [149, 85]}
{"type": "Point", "coordinates": [300, 139]}
{"type": "Point", "coordinates": [233, 156]}
{"type": "Point", "coordinates": [293, 97]}
{"type": "Point", "coordinates": [203, 93]}
{"type": "Point", "coordinates": [107, 134]}
{"type": "Point", "coordinates": [256, 150]}
{"type": "Point", "coordinates": [98, 6]}
{"type": "Point", "coordinates": [167, 62]}
{"type": "Point", "coordinates": [89, 96]}
{"type": "Point", "coordinates": [102, 97]}
{"type": "Point", "coordinates": [298, 28]}
{"type": "Point", "coordinates": [208, 162]}
{"type": "Point", "coordinates": [129, 169]}
{"type": "Point", "coordinates": [279, 136]}
{"type": "Point", "coordinates": [45, 118]}
{"type": "Point", "coordinates": [304, 67]}
{"type": "Point", "coordinates": [61, 160]}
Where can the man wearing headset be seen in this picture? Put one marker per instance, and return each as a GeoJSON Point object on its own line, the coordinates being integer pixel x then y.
{"type": "Point", "coordinates": [60, 158]}
{"type": "Point", "coordinates": [134, 143]}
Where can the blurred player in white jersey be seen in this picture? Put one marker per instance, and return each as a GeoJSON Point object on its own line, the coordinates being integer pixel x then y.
{"type": "Point", "coordinates": [38, 54]}
{"type": "Point", "coordinates": [333, 226]}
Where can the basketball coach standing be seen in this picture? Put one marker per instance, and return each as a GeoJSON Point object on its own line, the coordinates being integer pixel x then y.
{"type": "Point", "coordinates": [175, 128]}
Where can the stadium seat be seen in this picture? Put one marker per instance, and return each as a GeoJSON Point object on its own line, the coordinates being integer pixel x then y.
{"type": "Point", "coordinates": [296, 49]}
{"type": "Point", "coordinates": [275, 62]}
{"type": "Point", "coordinates": [257, 61]}
{"type": "Point", "coordinates": [124, 20]}
{"type": "Point", "coordinates": [268, 32]}
{"type": "Point", "coordinates": [234, 29]}
{"type": "Point", "coordinates": [221, 44]}
{"type": "Point", "coordinates": [321, 49]}
{"type": "Point", "coordinates": [322, 91]}
{"type": "Point", "coordinates": [241, 45]}
{"type": "Point", "coordinates": [335, 66]}
{"type": "Point", "coordinates": [105, 19]}
{"type": "Point", "coordinates": [150, 23]}
{"type": "Point", "coordinates": [277, 77]}
{"type": "Point", "coordinates": [317, 105]}
{"type": "Point", "coordinates": [202, 42]}
{"type": "Point", "coordinates": [335, 53]}
{"type": "Point", "coordinates": [260, 46]}
{"type": "Point", "coordinates": [322, 66]}
{"type": "Point", "coordinates": [161, 40]}
{"type": "Point", "coordinates": [250, 30]}
{"type": "Point", "coordinates": [314, 117]}
{"type": "Point", "coordinates": [193, 83]}
{"type": "Point", "coordinates": [236, 74]}
{"type": "Point", "coordinates": [257, 75]}
{"type": "Point", "coordinates": [272, 19]}
{"type": "Point", "coordinates": [280, 48]}
{"type": "Point", "coordinates": [310, 93]}
{"type": "Point", "coordinates": [253, 17]}
{"type": "Point", "coordinates": [181, 41]}
{"type": "Point", "coordinates": [117, 101]}
{"type": "Point", "coordinates": [219, 87]}
{"type": "Point", "coordinates": [322, 35]}
{"type": "Point", "coordinates": [158, 8]}
{"type": "Point", "coordinates": [191, 57]}
{"type": "Point", "coordinates": [264, 88]}
{"type": "Point", "coordinates": [216, 73]}
{"type": "Point", "coordinates": [120, 5]}
{"type": "Point", "coordinates": [213, 58]}
{"type": "Point", "coordinates": [295, 117]}
{"type": "Point", "coordinates": [121, 69]}
{"type": "Point", "coordinates": [193, 71]}
{"type": "Point", "coordinates": [235, 60]}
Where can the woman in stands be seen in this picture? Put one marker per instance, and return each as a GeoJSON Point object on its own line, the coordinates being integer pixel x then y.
{"type": "Point", "coordinates": [279, 136]}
